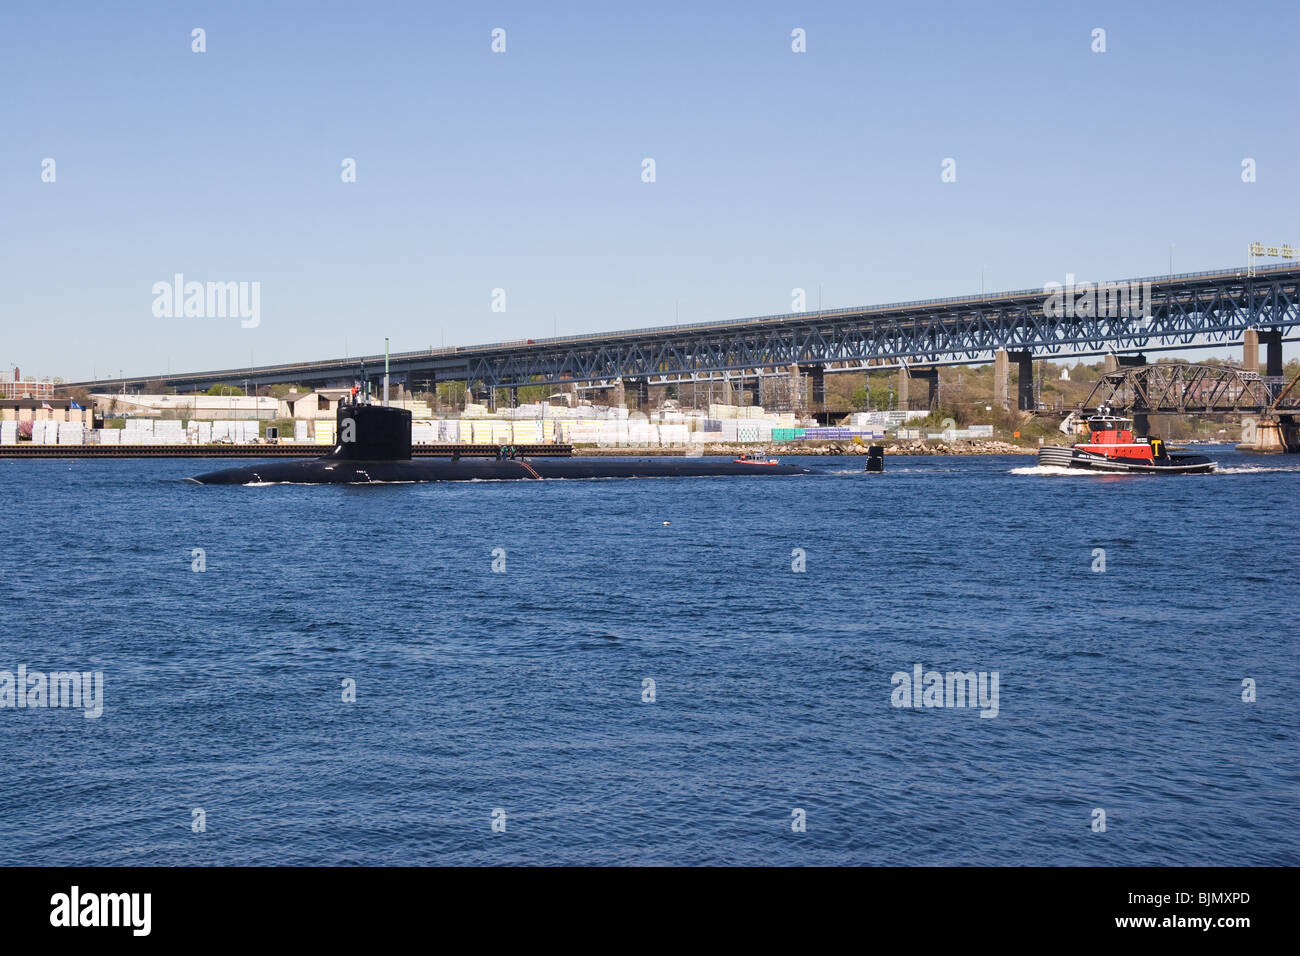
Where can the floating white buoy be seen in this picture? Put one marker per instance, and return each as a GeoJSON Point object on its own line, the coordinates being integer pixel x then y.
{"type": "Point", "coordinates": [667, 523]}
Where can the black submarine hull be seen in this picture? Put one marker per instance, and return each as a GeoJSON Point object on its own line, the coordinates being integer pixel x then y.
{"type": "Point", "coordinates": [375, 446]}
{"type": "Point", "coordinates": [338, 471]}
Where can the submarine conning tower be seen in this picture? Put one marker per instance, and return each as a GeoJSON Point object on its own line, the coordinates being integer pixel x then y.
{"type": "Point", "coordinates": [372, 433]}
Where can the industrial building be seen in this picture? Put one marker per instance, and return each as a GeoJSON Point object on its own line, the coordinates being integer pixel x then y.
{"type": "Point", "coordinates": [13, 386]}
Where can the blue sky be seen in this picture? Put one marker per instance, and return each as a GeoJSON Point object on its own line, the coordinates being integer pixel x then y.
{"type": "Point", "coordinates": [522, 170]}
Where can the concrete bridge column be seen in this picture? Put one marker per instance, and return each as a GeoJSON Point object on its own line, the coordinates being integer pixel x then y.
{"type": "Point", "coordinates": [1275, 435]}
{"type": "Point", "coordinates": [1110, 363]}
{"type": "Point", "coordinates": [817, 373]}
{"type": "Point", "coordinates": [620, 394]}
{"type": "Point", "coordinates": [641, 391]}
{"type": "Point", "coordinates": [1268, 437]}
{"type": "Point", "coordinates": [795, 386]}
{"type": "Point", "coordinates": [1024, 379]}
{"type": "Point", "coordinates": [1250, 351]}
{"type": "Point", "coordinates": [1272, 340]}
{"type": "Point", "coordinates": [1002, 379]}
{"type": "Point", "coordinates": [930, 376]}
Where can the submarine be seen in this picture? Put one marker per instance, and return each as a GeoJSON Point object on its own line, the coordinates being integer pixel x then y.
{"type": "Point", "coordinates": [375, 446]}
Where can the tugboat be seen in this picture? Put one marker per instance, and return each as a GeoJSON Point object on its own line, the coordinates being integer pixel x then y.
{"type": "Point", "coordinates": [1112, 447]}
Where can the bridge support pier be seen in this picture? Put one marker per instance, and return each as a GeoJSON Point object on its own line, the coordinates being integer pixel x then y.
{"type": "Point", "coordinates": [817, 375]}
{"type": "Point", "coordinates": [641, 392]}
{"type": "Point", "coordinates": [1273, 435]}
{"type": "Point", "coordinates": [754, 388]}
{"type": "Point", "coordinates": [514, 396]}
{"type": "Point", "coordinates": [1272, 340]}
{"type": "Point", "coordinates": [1269, 438]}
{"type": "Point", "coordinates": [1002, 379]}
{"type": "Point", "coordinates": [795, 386]}
{"type": "Point", "coordinates": [1250, 351]}
{"type": "Point", "coordinates": [1024, 380]}
{"type": "Point", "coordinates": [905, 378]}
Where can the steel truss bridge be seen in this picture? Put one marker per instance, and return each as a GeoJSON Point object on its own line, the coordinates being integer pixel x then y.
{"type": "Point", "coordinates": [1186, 311]}
{"type": "Point", "coordinates": [1166, 388]}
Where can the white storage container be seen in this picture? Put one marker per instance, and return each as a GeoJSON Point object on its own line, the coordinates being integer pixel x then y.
{"type": "Point", "coordinates": [71, 433]}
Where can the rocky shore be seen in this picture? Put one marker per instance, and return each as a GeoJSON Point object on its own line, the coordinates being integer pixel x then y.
{"type": "Point", "coordinates": [980, 447]}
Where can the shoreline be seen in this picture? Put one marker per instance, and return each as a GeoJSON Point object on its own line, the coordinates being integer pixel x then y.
{"type": "Point", "coordinates": [974, 448]}
{"type": "Point", "coordinates": [825, 450]}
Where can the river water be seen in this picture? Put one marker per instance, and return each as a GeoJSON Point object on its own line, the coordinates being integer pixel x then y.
{"type": "Point", "coordinates": [646, 677]}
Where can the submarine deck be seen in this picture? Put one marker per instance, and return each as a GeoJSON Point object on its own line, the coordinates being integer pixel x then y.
{"type": "Point", "coordinates": [294, 450]}
{"type": "Point", "coordinates": [338, 471]}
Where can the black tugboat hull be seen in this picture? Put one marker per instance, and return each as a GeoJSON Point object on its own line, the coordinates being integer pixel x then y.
{"type": "Point", "coordinates": [1057, 456]}
{"type": "Point", "coordinates": [339, 471]}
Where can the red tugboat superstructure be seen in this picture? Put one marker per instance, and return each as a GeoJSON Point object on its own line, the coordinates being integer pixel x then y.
{"type": "Point", "coordinates": [1111, 446]}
